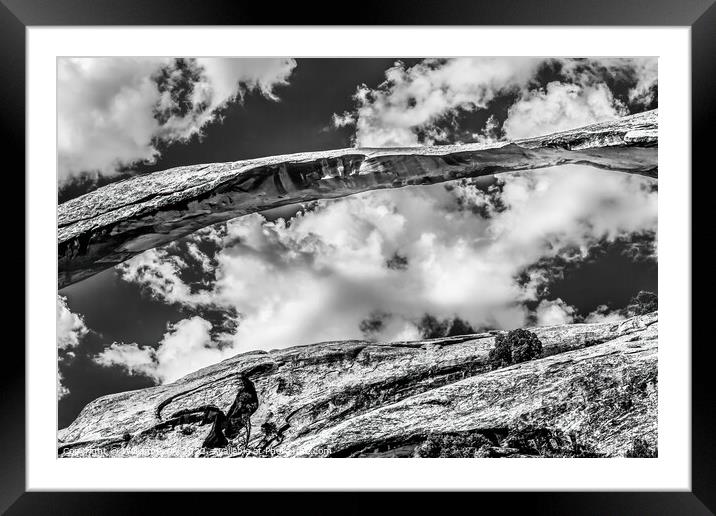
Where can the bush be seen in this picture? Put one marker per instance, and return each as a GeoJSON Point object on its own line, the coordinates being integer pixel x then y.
{"type": "Point", "coordinates": [460, 327]}
{"type": "Point", "coordinates": [433, 328]}
{"type": "Point", "coordinates": [514, 347]}
{"type": "Point", "coordinates": [373, 325]}
{"type": "Point", "coordinates": [271, 434]}
{"type": "Point", "coordinates": [269, 429]}
{"type": "Point", "coordinates": [468, 445]}
{"type": "Point", "coordinates": [288, 387]}
{"type": "Point", "coordinates": [397, 262]}
{"type": "Point", "coordinates": [501, 354]}
{"type": "Point", "coordinates": [640, 448]}
{"type": "Point", "coordinates": [643, 303]}
{"type": "Point", "coordinates": [515, 442]}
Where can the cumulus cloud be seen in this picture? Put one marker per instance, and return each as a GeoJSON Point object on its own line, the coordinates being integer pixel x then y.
{"type": "Point", "coordinates": [415, 98]}
{"type": "Point", "coordinates": [559, 107]}
{"type": "Point", "coordinates": [160, 273]}
{"type": "Point", "coordinates": [185, 347]}
{"type": "Point", "coordinates": [112, 112]}
{"type": "Point", "coordinates": [604, 314]}
{"type": "Point", "coordinates": [553, 312]}
{"type": "Point", "coordinates": [70, 326]}
{"type": "Point", "coordinates": [62, 390]}
{"type": "Point", "coordinates": [640, 72]}
{"type": "Point", "coordinates": [71, 329]}
{"type": "Point", "coordinates": [466, 251]}
{"type": "Point", "coordinates": [415, 105]}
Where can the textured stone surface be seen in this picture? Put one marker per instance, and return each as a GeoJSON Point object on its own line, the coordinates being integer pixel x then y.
{"type": "Point", "coordinates": [596, 381]}
{"type": "Point", "coordinates": [111, 224]}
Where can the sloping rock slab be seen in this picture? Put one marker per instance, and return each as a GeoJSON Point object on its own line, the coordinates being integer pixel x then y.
{"type": "Point", "coordinates": [338, 398]}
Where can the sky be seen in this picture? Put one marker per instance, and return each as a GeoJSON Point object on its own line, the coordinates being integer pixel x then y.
{"type": "Point", "coordinates": [554, 246]}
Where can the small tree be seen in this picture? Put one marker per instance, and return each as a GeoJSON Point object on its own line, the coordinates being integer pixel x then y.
{"type": "Point", "coordinates": [643, 303]}
{"type": "Point", "coordinates": [460, 327]}
{"type": "Point", "coordinates": [269, 429]}
{"type": "Point", "coordinates": [514, 347]}
{"type": "Point", "coordinates": [397, 262]}
{"type": "Point", "coordinates": [640, 448]}
{"type": "Point", "coordinates": [431, 327]}
{"type": "Point", "coordinates": [271, 434]}
{"type": "Point", "coordinates": [525, 345]}
{"type": "Point", "coordinates": [501, 354]}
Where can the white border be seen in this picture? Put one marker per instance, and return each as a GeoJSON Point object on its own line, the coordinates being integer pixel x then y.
{"type": "Point", "coordinates": [670, 471]}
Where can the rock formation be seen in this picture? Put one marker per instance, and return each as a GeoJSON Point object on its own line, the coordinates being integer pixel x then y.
{"type": "Point", "coordinates": [111, 224]}
{"type": "Point", "coordinates": [223, 426]}
{"type": "Point", "coordinates": [592, 393]}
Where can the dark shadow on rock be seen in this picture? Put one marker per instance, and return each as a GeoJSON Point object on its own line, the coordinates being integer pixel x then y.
{"type": "Point", "coordinates": [245, 404]}
{"type": "Point", "coordinates": [225, 427]}
{"type": "Point", "coordinates": [216, 437]}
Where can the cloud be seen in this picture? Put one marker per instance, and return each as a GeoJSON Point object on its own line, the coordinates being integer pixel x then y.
{"type": "Point", "coordinates": [160, 273]}
{"type": "Point", "coordinates": [112, 112]}
{"type": "Point", "coordinates": [418, 105]}
{"type": "Point", "coordinates": [560, 107]}
{"type": "Point", "coordinates": [62, 390]}
{"type": "Point", "coordinates": [553, 313]}
{"type": "Point", "coordinates": [70, 326]}
{"type": "Point", "coordinates": [186, 347]}
{"type": "Point", "coordinates": [415, 98]}
{"type": "Point", "coordinates": [490, 133]}
{"type": "Point", "coordinates": [132, 357]}
{"type": "Point", "coordinates": [71, 329]}
{"type": "Point", "coordinates": [467, 251]}
{"type": "Point", "coordinates": [604, 314]}
{"type": "Point", "coordinates": [640, 72]}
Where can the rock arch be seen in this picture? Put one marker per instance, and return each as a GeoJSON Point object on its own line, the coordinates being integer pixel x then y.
{"type": "Point", "coordinates": [114, 223]}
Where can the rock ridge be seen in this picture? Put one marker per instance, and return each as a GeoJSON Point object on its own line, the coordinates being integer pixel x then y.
{"type": "Point", "coordinates": [595, 383]}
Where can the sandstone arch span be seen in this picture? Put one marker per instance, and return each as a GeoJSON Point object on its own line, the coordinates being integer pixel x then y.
{"type": "Point", "coordinates": [111, 224]}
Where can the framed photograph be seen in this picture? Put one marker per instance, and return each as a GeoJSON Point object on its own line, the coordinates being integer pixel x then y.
{"type": "Point", "coordinates": [424, 249]}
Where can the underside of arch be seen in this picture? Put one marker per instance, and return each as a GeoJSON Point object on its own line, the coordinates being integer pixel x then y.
{"type": "Point", "coordinates": [116, 222]}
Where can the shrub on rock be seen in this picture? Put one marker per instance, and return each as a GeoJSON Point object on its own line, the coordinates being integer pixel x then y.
{"type": "Point", "coordinates": [640, 448]}
{"type": "Point", "coordinates": [269, 429]}
{"type": "Point", "coordinates": [644, 302]}
{"type": "Point", "coordinates": [514, 347]}
{"type": "Point", "coordinates": [431, 327]}
{"type": "Point", "coordinates": [460, 327]}
{"type": "Point", "coordinates": [501, 354]}
{"type": "Point", "coordinates": [460, 445]}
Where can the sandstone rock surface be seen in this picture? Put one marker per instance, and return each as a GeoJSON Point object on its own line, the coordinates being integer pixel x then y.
{"type": "Point", "coordinates": [596, 383]}
{"type": "Point", "coordinates": [111, 224]}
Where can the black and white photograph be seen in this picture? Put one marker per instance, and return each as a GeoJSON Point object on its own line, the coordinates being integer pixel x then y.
{"type": "Point", "coordinates": [357, 257]}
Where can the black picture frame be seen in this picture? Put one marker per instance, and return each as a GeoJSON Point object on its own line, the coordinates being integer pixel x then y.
{"type": "Point", "coordinates": [17, 15]}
